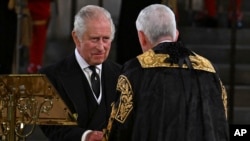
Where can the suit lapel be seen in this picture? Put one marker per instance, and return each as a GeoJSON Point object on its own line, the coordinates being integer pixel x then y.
{"type": "Point", "coordinates": [74, 78]}
{"type": "Point", "coordinates": [108, 85]}
{"type": "Point", "coordinates": [81, 100]}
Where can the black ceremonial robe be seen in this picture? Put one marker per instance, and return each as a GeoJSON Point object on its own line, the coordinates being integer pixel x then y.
{"type": "Point", "coordinates": [169, 93]}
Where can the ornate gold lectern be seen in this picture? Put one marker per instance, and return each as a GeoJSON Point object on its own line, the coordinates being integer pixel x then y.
{"type": "Point", "coordinates": [29, 99]}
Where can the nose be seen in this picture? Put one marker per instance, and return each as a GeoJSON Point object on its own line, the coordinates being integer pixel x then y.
{"type": "Point", "coordinates": [101, 44]}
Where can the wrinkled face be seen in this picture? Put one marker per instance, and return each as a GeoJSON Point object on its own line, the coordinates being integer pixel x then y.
{"type": "Point", "coordinates": [95, 44]}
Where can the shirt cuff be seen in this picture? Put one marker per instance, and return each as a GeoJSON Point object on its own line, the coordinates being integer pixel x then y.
{"type": "Point", "coordinates": [85, 135]}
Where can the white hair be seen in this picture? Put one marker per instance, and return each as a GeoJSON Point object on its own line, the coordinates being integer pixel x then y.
{"type": "Point", "coordinates": [90, 12]}
{"type": "Point", "coordinates": [157, 21]}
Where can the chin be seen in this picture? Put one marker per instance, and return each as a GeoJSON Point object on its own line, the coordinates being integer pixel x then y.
{"type": "Point", "coordinates": [99, 61]}
{"type": "Point", "coordinates": [100, 58]}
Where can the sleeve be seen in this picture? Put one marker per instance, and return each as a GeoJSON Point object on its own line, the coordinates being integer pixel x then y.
{"type": "Point", "coordinates": [62, 133]}
{"type": "Point", "coordinates": [121, 110]}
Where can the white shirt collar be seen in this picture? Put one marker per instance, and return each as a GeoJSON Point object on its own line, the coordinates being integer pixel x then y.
{"type": "Point", "coordinates": [83, 64]}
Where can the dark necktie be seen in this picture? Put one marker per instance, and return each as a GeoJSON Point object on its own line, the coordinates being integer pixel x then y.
{"type": "Point", "coordinates": [95, 81]}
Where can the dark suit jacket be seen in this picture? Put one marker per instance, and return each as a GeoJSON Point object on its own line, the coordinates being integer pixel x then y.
{"type": "Point", "coordinates": [73, 87]}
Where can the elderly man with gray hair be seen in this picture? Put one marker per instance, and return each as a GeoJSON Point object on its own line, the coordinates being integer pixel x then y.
{"type": "Point", "coordinates": [86, 79]}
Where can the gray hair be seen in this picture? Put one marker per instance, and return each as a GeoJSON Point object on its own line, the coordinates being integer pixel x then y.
{"type": "Point", "coordinates": [91, 12]}
{"type": "Point", "coordinates": [156, 21]}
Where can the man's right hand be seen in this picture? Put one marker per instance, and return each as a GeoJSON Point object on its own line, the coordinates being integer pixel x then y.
{"type": "Point", "coordinates": [94, 136]}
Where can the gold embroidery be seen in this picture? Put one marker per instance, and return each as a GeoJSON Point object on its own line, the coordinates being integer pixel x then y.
{"type": "Point", "coordinates": [126, 103]}
{"type": "Point", "coordinates": [150, 60]}
{"type": "Point", "coordinates": [73, 116]}
{"type": "Point", "coordinates": [224, 97]}
{"type": "Point", "coordinates": [201, 63]}
{"type": "Point", "coordinates": [106, 131]}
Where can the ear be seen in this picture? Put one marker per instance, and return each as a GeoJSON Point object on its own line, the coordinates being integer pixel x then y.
{"type": "Point", "coordinates": [141, 37]}
{"type": "Point", "coordinates": [143, 40]}
{"type": "Point", "coordinates": [177, 35]}
{"type": "Point", "coordinates": [75, 38]}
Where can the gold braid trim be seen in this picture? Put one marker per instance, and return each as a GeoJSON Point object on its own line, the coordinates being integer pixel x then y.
{"type": "Point", "coordinates": [126, 97]}
{"type": "Point", "coordinates": [151, 60]}
{"type": "Point", "coordinates": [106, 131]}
{"type": "Point", "coordinates": [224, 97]}
{"type": "Point", "coordinates": [125, 105]}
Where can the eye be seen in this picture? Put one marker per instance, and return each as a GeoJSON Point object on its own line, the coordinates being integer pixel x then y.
{"type": "Point", "coordinates": [106, 39]}
{"type": "Point", "coordinates": [95, 39]}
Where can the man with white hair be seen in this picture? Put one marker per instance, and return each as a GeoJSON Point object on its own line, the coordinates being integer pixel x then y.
{"type": "Point", "coordinates": [168, 93]}
{"type": "Point", "coordinates": [86, 79]}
